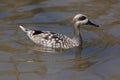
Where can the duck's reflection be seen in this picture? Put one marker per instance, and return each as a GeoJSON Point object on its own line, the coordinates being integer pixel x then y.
{"type": "Point", "coordinates": [46, 49]}
{"type": "Point", "coordinates": [81, 63]}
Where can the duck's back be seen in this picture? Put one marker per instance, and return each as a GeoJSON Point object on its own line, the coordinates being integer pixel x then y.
{"type": "Point", "coordinates": [50, 39]}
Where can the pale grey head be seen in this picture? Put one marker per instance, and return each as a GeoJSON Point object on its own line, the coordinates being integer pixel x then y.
{"type": "Point", "coordinates": [81, 19]}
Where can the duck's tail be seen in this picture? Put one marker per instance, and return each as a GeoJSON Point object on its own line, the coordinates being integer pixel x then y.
{"type": "Point", "coordinates": [24, 29]}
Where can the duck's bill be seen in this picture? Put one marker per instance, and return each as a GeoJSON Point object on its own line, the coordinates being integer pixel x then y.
{"type": "Point", "coordinates": [92, 24]}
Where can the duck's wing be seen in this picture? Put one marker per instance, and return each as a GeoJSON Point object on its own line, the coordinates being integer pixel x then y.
{"type": "Point", "coordinates": [48, 36]}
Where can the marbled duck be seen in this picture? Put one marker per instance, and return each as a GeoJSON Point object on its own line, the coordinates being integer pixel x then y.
{"type": "Point", "coordinates": [56, 40]}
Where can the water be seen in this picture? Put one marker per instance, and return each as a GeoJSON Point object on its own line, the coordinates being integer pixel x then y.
{"type": "Point", "coordinates": [20, 59]}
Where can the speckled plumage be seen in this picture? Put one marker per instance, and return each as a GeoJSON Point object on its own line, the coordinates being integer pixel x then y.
{"type": "Point", "coordinates": [50, 39]}
{"type": "Point", "coordinates": [56, 40]}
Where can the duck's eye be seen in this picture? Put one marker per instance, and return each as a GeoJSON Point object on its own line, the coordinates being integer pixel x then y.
{"type": "Point", "coordinates": [82, 18]}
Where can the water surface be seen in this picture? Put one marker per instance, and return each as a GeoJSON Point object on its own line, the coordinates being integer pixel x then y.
{"type": "Point", "coordinates": [21, 59]}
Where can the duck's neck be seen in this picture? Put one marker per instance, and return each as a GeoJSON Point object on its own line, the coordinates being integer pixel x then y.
{"type": "Point", "coordinates": [77, 36]}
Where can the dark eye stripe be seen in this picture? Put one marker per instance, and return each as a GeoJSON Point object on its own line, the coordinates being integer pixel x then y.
{"type": "Point", "coordinates": [82, 18]}
{"type": "Point", "coordinates": [37, 32]}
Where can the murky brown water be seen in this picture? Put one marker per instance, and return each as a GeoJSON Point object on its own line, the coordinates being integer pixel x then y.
{"type": "Point", "coordinates": [20, 59]}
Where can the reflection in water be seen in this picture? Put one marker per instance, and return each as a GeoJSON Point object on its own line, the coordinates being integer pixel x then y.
{"type": "Point", "coordinates": [80, 63]}
{"type": "Point", "coordinates": [45, 49]}
{"type": "Point", "coordinates": [35, 65]}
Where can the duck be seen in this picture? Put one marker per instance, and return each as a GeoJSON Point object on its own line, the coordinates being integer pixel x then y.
{"type": "Point", "coordinates": [57, 40]}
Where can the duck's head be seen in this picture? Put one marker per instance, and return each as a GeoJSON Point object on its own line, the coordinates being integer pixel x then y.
{"type": "Point", "coordinates": [81, 19]}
